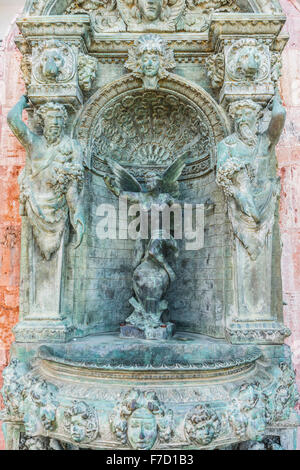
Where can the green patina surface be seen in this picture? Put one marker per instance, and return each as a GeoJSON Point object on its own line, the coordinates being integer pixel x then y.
{"type": "Point", "coordinates": [160, 105]}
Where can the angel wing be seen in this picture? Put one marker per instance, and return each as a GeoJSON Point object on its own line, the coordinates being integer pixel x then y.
{"type": "Point", "coordinates": [124, 180]}
{"type": "Point", "coordinates": [169, 183]}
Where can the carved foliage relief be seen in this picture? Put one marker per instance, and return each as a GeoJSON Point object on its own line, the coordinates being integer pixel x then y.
{"type": "Point", "coordinates": [150, 16]}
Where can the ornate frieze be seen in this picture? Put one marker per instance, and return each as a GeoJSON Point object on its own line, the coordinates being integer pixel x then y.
{"type": "Point", "coordinates": [104, 15]}
{"type": "Point", "coordinates": [144, 16]}
{"type": "Point", "coordinates": [238, 409]}
{"type": "Point", "coordinates": [275, 333]}
{"type": "Point", "coordinates": [73, 28]}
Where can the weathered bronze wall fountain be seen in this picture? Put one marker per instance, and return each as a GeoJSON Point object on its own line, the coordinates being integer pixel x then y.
{"type": "Point", "coordinates": [148, 342]}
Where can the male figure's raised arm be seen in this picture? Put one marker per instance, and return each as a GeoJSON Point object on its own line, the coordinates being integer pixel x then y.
{"type": "Point", "coordinates": [19, 128]}
{"type": "Point", "coordinates": [277, 119]}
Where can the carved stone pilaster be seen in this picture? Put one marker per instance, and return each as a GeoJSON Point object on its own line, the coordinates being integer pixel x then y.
{"type": "Point", "coordinates": [53, 68]}
{"type": "Point", "coordinates": [251, 190]}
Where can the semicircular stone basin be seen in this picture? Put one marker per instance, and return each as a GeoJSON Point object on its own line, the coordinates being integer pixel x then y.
{"type": "Point", "coordinates": [183, 351]}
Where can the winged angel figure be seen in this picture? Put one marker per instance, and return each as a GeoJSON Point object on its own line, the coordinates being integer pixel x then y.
{"type": "Point", "coordinates": [152, 273]}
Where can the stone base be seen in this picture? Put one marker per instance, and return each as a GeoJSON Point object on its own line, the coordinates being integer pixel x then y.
{"type": "Point", "coordinates": [161, 332]}
{"type": "Point", "coordinates": [30, 331]}
{"type": "Point", "coordinates": [179, 382]}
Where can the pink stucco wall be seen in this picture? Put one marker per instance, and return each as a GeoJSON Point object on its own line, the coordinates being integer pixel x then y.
{"type": "Point", "coordinates": [12, 159]}
{"type": "Point", "coordinates": [288, 153]}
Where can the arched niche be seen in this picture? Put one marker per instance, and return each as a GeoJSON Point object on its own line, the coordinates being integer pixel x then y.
{"type": "Point", "coordinates": [123, 117]}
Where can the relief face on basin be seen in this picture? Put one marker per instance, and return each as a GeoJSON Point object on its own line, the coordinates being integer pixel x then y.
{"type": "Point", "coordinates": [142, 429]}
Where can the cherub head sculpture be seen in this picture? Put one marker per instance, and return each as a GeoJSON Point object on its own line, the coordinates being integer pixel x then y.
{"type": "Point", "coordinates": [81, 422]}
{"type": "Point", "coordinates": [245, 114]}
{"type": "Point", "coordinates": [53, 117]}
{"type": "Point", "coordinates": [202, 425]}
{"type": "Point", "coordinates": [151, 10]}
{"type": "Point", "coordinates": [87, 69]}
{"type": "Point", "coordinates": [149, 59]}
{"type": "Point", "coordinates": [152, 181]}
{"type": "Point", "coordinates": [151, 15]}
{"type": "Point", "coordinates": [140, 419]}
{"type": "Point", "coordinates": [248, 396]}
{"type": "Point", "coordinates": [14, 386]}
{"type": "Point", "coordinates": [248, 416]}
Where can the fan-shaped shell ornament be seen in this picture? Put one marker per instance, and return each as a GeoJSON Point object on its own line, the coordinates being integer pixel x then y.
{"type": "Point", "coordinates": [146, 130]}
{"type": "Point", "coordinates": [152, 154]}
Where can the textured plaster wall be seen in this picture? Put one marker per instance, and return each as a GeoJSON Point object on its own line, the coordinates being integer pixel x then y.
{"type": "Point", "coordinates": [12, 159]}
{"type": "Point", "coordinates": [8, 10]}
